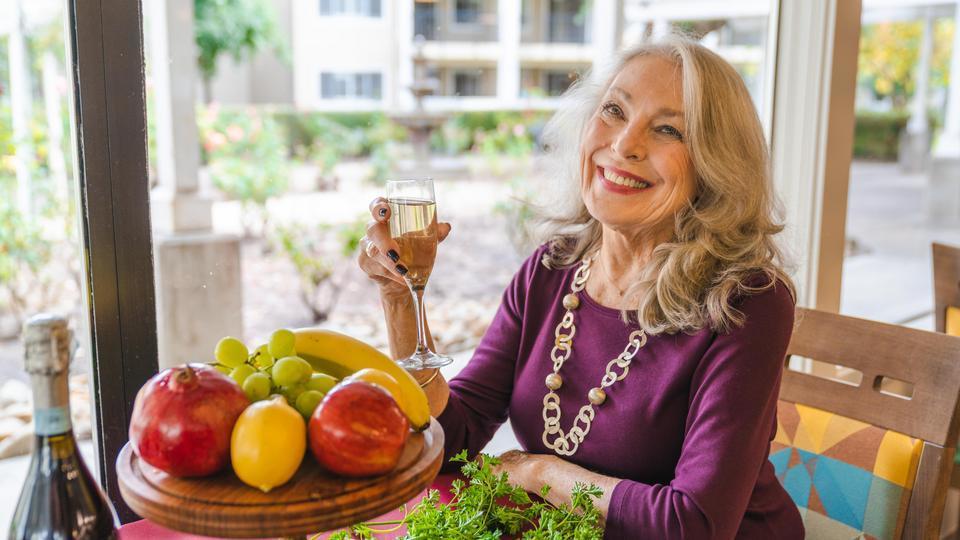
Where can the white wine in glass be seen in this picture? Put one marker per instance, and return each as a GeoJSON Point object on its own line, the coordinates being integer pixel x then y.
{"type": "Point", "coordinates": [413, 225]}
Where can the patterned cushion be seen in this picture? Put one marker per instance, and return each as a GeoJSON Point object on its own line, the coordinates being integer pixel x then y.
{"type": "Point", "coordinates": [850, 479]}
{"type": "Point", "coordinates": [952, 327]}
{"type": "Point", "coordinates": [952, 321]}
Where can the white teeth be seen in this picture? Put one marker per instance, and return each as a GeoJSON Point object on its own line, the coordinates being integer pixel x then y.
{"type": "Point", "coordinates": [617, 179]}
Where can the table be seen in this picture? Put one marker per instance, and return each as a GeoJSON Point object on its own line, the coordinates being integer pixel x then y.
{"type": "Point", "coordinates": [147, 530]}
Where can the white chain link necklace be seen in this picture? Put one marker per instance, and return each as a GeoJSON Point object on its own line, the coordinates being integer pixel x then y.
{"type": "Point", "coordinates": [567, 443]}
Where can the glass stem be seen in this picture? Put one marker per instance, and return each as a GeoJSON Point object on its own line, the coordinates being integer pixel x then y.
{"type": "Point", "coordinates": [417, 293]}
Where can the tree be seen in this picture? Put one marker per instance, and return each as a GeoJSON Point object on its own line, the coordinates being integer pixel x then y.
{"type": "Point", "coordinates": [240, 28]}
{"type": "Point", "coordinates": [889, 53]}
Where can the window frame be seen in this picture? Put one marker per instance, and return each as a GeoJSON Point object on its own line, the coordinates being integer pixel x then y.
{"type": "Point", "coordinates": [107, 70]}
{"type": "Point", "coordinates": [352, 8]}
{"type": "Point", "coordinates": [109, 111]}
{"type": "Point", "coordinates": [352, 83]}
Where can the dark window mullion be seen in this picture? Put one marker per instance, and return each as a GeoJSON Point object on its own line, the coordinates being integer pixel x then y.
{"type": "Point", "coordinates": [115, 214]}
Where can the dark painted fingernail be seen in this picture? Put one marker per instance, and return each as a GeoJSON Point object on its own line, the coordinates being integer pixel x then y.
{"type": "Point", "coordinates": [402, 269]}
{"type": "Point", "coordinates": [382, 212]}
{"type": "Point", "coordinates": [393, 255]}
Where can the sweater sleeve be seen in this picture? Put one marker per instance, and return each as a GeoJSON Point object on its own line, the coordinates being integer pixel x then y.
{"type": "Point", "coordinates": [480, 393]}
{"type": "Point", "coordinates": [731, 418]}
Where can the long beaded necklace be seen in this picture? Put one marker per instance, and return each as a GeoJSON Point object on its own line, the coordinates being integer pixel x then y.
{"type": "Point", "coordinates": [567, 443]}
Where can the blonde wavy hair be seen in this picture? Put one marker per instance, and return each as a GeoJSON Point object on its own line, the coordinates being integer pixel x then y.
{"type": "Point", "coordinates": [723, 242]}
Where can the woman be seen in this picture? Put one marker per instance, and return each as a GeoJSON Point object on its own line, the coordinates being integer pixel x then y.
{"type": "Point", "coordinates": [664, 260]}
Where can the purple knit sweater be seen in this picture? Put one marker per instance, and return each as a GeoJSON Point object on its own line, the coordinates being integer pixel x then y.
{"type": "Point", "coordinates": [687, 431]}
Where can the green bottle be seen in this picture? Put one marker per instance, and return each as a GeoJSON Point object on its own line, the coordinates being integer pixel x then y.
{"type": "Point", "coordinates": [60, 499]}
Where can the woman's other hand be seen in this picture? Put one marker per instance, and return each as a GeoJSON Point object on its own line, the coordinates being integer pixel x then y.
{"type": "Point", "coordinates": [522, 469]}
{"type": "Point", "coordinates": [379, 254]}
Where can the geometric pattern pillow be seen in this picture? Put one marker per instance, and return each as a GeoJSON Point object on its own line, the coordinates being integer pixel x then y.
{"type": "Point", "coordinates": [952, 328]}
{"type": "Point", "coordinates": [849, 479]}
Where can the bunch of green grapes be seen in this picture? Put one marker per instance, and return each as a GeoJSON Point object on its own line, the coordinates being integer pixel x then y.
{"type": "Point", "coordinates": [273, 368]}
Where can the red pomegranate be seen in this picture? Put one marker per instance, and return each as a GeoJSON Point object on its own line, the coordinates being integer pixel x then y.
{"type": "Point", "coordinates": [183, 417]}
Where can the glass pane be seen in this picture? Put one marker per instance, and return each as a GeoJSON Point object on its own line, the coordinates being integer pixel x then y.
{"type": "Point", "coordinates": [739, 32]}
{"type": "Point", "coordinates": [263, 178]}
{"type": "Point", "coordinates": [567, 19]}
{"type": "Point", "coordinates": [905, 179]}
{"type": "Point", "coordinates": [454, 20]}
{"type": "Point", "coordinates": [40, 245]}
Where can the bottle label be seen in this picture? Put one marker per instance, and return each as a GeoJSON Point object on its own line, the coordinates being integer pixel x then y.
{"type": "Point", "coordinates": [52, 421]}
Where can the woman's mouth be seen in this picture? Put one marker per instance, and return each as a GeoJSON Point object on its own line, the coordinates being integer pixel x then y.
{"type": "Point", "coordinates": [620, 181]}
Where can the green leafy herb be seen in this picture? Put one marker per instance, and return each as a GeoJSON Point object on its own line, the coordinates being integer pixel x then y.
{"type": "Point", "coordinates": [476, 512]}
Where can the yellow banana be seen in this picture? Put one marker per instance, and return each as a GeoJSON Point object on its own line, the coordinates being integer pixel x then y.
{"type": "Point", "coordinates": [341, 356]}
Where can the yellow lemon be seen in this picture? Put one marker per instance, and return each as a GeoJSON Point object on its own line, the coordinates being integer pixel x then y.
{"type": "Point", "coordinates": [382, 379]}
{"type": "Point", "coordinates": [268, 443]}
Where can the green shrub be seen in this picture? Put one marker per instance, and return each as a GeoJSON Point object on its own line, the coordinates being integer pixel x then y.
{"type": "Point", "coordinates": [877, 135]}
{"type": "Point", "coordinates": [378, 131]}
{"type": "Point", "coordinates": [24, 254]}
{"type": "Point", "coordinates": [247, 155]}
{"type": "Point", "coordinates": [320, 255]}
{"type": "Point", "coordinates": [490, 132]}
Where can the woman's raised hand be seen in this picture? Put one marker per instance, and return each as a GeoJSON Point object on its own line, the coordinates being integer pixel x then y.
{"type": "Point", "coordinates": [379, 254]}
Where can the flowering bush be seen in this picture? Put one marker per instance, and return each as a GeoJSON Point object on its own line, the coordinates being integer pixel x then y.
{"type": "Point", "coordinates": [247, 157]}
{"type": "Point", "coordinates": [39, 267]}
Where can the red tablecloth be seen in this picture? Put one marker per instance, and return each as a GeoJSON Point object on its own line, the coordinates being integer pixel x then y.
{"type": "Point", "coordinates": [147, 530]}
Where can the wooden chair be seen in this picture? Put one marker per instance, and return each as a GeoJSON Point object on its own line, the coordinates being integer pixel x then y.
{"type": "Point", "coordinates": [946, 287]}
{"type": "Point", "coordinates": [845, 435]}
{"type": "Point", "coordinates": [946, 309]}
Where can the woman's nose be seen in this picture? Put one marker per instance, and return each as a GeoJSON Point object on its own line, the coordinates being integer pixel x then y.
{"type": "Point", "coordinates": [629, 145]}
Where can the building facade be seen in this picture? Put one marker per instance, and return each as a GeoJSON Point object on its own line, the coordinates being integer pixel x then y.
{"type": "Point", "coordinates": [483, 54]}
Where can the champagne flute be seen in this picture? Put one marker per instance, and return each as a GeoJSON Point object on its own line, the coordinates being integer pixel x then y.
{"type": "Point", "coordinates": [413, 225]}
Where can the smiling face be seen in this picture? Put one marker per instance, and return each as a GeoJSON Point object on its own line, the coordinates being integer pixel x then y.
{"type": "Point", "coordinates": [635, 164]}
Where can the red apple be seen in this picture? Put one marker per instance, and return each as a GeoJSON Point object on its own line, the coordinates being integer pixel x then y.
{"type": "Point", "coordinates": [183, 418]}
{"type": "Point", "coordinates": [358, 430]}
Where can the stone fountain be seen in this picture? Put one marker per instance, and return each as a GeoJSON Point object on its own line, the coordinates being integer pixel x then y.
{"type": "Point", "coordinates": [420, 124]}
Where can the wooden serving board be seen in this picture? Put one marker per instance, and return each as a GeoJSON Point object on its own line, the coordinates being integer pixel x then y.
{"type": "Point", "coordinates": [312, 501]}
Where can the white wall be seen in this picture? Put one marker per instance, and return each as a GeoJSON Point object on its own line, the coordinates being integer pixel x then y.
{"type": "Point", "coordinates": [266, 78]}
{"type": "Point", "coordinates": [340, 44]}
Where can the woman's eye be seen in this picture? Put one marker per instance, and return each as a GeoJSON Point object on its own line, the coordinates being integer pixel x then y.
{"type": "Point", "coordinates": [671, 131]}
{"type": "Point", "coordinates": [613, 109]}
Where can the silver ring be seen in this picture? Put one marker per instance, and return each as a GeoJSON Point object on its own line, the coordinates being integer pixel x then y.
{"type": "Point", "coordinates": [369, 249]}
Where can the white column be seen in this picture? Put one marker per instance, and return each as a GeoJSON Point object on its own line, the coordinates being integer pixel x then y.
{"type": "Point", "coordinates": [944, 194]}
{"type": "Point", "coordinates": [606, 29]}
{"type": "Point", "coordinates": [21, 107]}
{"type": "Point", "coordinates": [948, 144]}
{"type": "Point", "coordinates": [508, 66]}
{"type": "Point", "coordinates": [918, 108]}
{"type": "Point", "coordinates": [915, 141]}
{"type": "Point", "coordinates": [178, 206]}
{"type": "Point", "coordinates": [52, 105]}
{"type": "Point", "coordinates": [404, 70]}
{"type": "Point", "coordinates": [197, 271]}
{"type": "Point", "coordinates": [813, 138]}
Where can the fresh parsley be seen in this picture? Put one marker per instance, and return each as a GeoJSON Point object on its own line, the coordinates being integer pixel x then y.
{"type": "Point", "coordinates": [476, 512]}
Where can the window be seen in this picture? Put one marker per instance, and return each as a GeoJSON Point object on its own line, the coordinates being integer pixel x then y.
{"type": "Point", "coordinates": [350, 85]}
{"type": "Point", "coordinates": [567, 19]}
{"type": "Point", "coordinates": [466, 83]}
{"type": "Point", "coordinates": [559, 81]}
{"type": "Point", "coordinates": [467, 11]}
{"type": "Point", "coordinates": [425, 20]}
{"type": "Point", "coordinates": [364, 8]}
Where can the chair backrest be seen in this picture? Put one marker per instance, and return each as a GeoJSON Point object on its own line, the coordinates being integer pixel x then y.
{"type": "Point", "coordinates": [864, 458]}
{"type": "Point", "coordinates": [946, 284]}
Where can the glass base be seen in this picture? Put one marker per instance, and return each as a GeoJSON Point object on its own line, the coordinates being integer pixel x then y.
{"type": "Point", "coordinates": [424, 360]}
